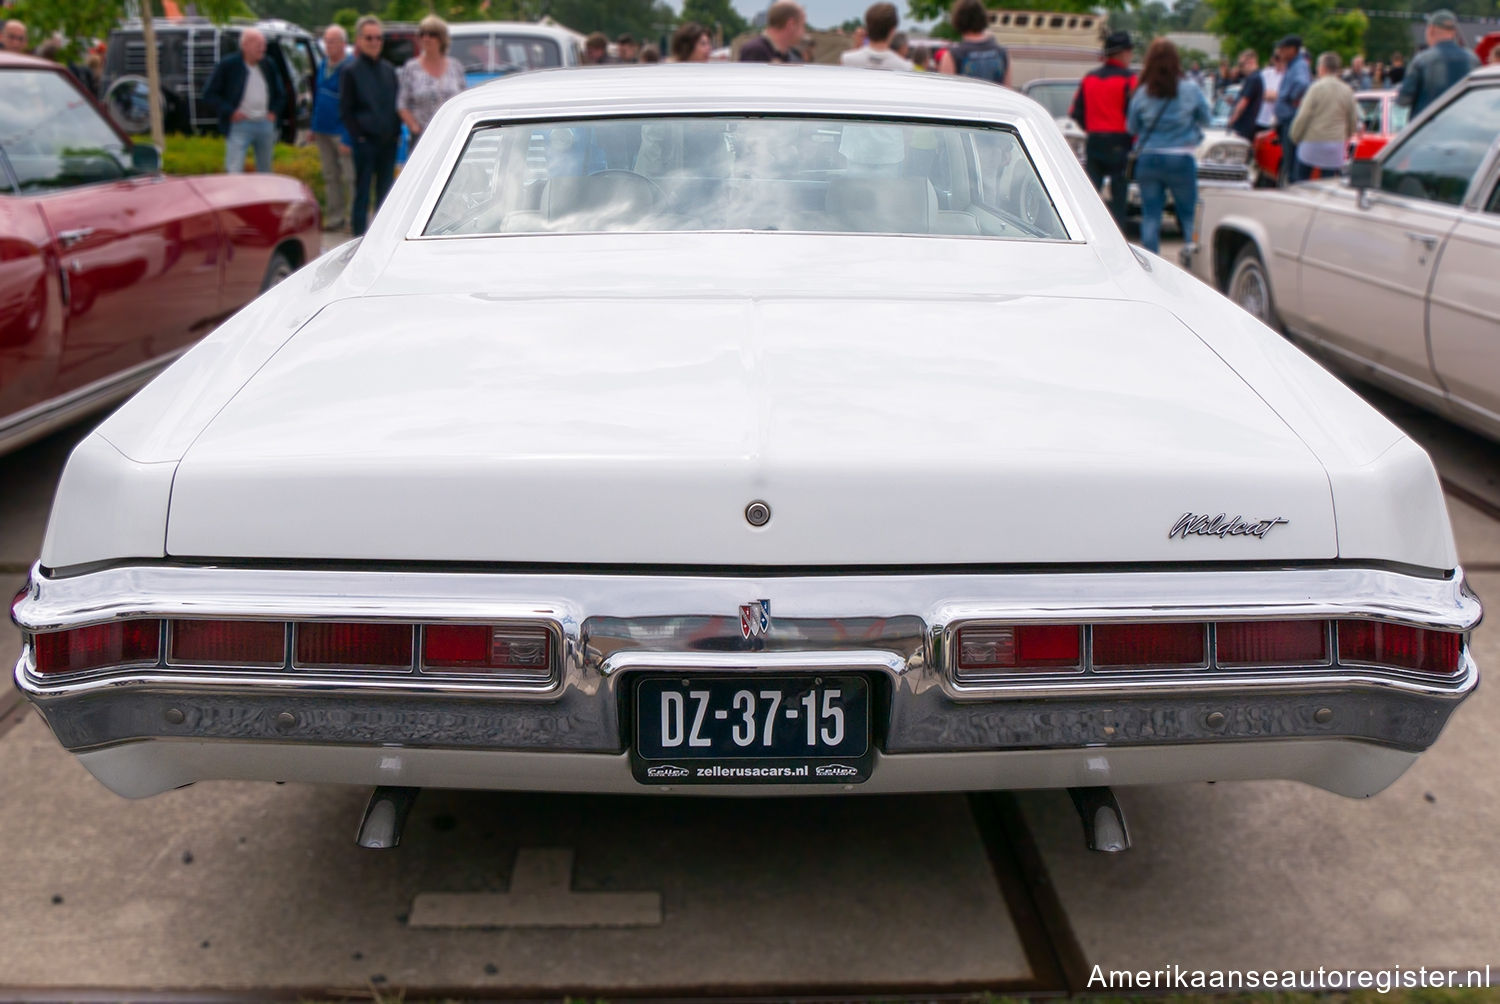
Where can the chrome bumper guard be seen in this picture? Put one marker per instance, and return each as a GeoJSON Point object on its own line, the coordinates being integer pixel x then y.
{"type": "Point", "coordinates": [895, 629]}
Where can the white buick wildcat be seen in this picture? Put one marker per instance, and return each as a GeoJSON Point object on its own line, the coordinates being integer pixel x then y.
{"type": "Point", "coordinates": [745, 429]}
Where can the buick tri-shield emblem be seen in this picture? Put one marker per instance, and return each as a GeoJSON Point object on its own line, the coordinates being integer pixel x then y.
{"type": "Point", "coordinates": [755, 618]}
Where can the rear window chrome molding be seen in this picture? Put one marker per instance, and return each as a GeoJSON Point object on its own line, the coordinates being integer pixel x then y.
{"type": "Point", "coordinates": [1047, 168]}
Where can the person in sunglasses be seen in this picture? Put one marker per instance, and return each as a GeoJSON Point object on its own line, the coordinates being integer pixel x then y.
{"type": "Point", "coordinates": [367, 104]}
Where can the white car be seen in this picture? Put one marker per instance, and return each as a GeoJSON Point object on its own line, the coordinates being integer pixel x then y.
{"type": "Point", "coordinates": [1223, 157]}
{"type": "Point", "coordinates": [1392, 275]}
{"type": "Point", "coordinates": [745, 429]}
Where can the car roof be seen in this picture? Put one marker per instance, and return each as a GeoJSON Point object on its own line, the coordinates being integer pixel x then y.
{"type": "Point", "coordinates": [749, 87]}
{"type": "Point", "coordinates": [21, 59]}
{"type": "Point", "coordinates": [512, 27]}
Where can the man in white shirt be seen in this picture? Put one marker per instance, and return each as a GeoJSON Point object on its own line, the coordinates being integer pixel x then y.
{"type": "Point", "coordinates": [880, 24]}
{"type": "Point", "coordinates": [1270, 75]}
{"type": "Point", "coordinates": [247, 95]}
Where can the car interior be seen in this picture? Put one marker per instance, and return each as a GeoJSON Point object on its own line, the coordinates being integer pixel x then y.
{"type": "Point", "coordinates": [737, 173]}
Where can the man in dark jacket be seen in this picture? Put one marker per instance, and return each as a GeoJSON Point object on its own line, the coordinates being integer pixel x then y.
{"type": "Point", "coordinates": [786, 22]}
{"type": "Point", "coordinates": [1099, 107]}
{"type": "Point", "coordinates": [367, 106]}
{"type": "Point", "coordinates": [246, 92]}
{"type": "Point", "coordinates": [1438, 67]}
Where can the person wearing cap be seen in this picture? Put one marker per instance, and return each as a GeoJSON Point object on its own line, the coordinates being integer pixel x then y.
{"type": "Point", "coordinates": [1296, 78]}
{"type": "Point", "coordinates": [1439, 66]}
{"type": "Point", "coordinates": [1100, 106]}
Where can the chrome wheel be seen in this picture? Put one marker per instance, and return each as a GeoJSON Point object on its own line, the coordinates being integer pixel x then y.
{"type": "Point", "coordinates": [1250, 287]}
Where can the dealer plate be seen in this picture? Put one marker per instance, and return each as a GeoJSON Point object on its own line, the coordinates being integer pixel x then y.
{"type": "Point", "coordinates": [752, 730]}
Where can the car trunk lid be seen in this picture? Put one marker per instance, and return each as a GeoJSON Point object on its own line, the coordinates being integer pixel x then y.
{"type": "Point", "coordinates": [635, 430]}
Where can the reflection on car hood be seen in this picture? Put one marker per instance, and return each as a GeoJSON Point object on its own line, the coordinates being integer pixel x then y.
{"type": "Point", "coordinates": [636, 429]}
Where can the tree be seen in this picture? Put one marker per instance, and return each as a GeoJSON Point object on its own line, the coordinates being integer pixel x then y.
{"type": "Point", "coordinates": [1258, 24]}
{"type": "Point", "coordinates": [715, 14]}
{"type": "Point", "coordinates": [642, 18]}
{"type": "Point", "coordinates": [77, 20]}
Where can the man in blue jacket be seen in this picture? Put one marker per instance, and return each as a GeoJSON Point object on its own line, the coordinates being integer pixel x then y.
{"type": "Point", "coordinates": [328, 129]}
{"type": "Point", "coordinates": [1296, 78]}
{"type": "Point", "coordinates": [246, 91]}
{"type": "Point", "coordinates": [1439, 66]}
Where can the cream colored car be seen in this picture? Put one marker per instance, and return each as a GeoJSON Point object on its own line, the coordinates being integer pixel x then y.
{"type": "Point", "coordinates": [1396, 281]}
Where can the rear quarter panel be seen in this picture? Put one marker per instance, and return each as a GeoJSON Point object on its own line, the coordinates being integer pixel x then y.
{"type": "Point", "coordinates": [1276, 222]}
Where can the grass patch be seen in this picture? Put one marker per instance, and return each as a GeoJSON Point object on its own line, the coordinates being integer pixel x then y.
{"type": "Point", "coordinates": [205, 155]}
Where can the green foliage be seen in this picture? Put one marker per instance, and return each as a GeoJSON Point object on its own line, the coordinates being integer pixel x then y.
{"type": "Point", "coordinates": [715, 14]}
{"type": "Point", "coordinates": [205, 155]}
{"type": "Point", "coordinates": [645, 19]}
{"type": "Point", "coordinates": [346, 17]}
{"type": "Point", "coordinates": [1257, 24]}
{"type": "Point", "coordinates": [86, 20]}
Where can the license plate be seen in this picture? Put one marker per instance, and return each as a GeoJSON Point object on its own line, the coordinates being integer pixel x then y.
{"type": "Point", "coordinates": [752, 730]}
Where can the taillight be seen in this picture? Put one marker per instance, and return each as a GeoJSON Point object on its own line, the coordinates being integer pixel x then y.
{"type": "Point", "coordinates": [348, 645]}
{"type": "Point", "coordinates": [1149, 645]}
{"type": "Point", "coordinates": [1400, 647]}
{"type": "Point", "coordinates": [1272, 643]}
{"type": "Point", "coordinates": [1020, 648]}
{"type": "Point", "coordinates": [228, 642]}
{"type": "Point", "coordinates": [472, 648]}
{"type": "Point", "coordinates": [98, 646]}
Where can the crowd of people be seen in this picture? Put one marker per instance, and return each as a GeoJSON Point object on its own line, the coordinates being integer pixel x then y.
{"type": "Point", "coordinates": [1142, 128]}
{"type": "Point", "coordinates": [1147, 129]}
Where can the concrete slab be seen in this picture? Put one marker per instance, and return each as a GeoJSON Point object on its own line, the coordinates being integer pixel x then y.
{"type": "Point", "coordinates": [28, 478]}
{"type": "Point", "coordinates": [1477, 533]}
{"type": "Point", "coordinates": [541, 895]}
{"type": "Point", "coordinates": [1281, 875]}
{"type": "Point", "coordinates": [259, 886]}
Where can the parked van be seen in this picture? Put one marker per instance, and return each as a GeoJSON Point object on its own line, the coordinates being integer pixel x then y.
{"type": "Point", "coordinates": [187, 51]}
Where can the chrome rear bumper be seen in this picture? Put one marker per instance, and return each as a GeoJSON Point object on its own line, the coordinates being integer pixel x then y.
{"type": "Point", "coordinates": [174, 724]}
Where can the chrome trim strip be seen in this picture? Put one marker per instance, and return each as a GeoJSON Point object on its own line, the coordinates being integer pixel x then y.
{"type": "Point", "coordinates": [40, 419]}
{"type": "Point", "coordinates": [901, 625]}
{"type": "Point", "coordinates": [767, 663]}
{"type": "Point", "coordinates": [1054, 597]}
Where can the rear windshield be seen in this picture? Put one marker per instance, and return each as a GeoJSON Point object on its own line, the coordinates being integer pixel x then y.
{"type": "Point", "coordinates": [746, 173]}
{"type": "Point", "coordinates": [501, 54]}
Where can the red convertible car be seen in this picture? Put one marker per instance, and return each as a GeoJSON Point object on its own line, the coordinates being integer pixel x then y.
{"type": "Point", "coordinates": [1380, 118]}
{"type": "Point", "coordinates": [109, 269]}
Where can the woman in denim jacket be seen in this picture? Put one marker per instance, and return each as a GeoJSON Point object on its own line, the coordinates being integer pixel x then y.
{"type": "Point", "coordinates": [1167, 115]}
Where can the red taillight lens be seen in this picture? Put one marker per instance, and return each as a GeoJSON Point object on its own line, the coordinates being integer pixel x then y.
{"type": "Point", "coordinates": [1400, 647]}
{"type": "Point", "coordinates": [486, 649]}
{"type": "Point", "coordinates": [1023, 648]}
{"type": "Point", "coordinates": [228, 642]}
{"type": "Point", "coordinates": [1149, 645]}
{"type": "Point", "coordinates": [339, 644]}
{"type": "Point", "coordinates": [1273, 643]}
{"type": "Point", "coordinates": [98, 646]}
